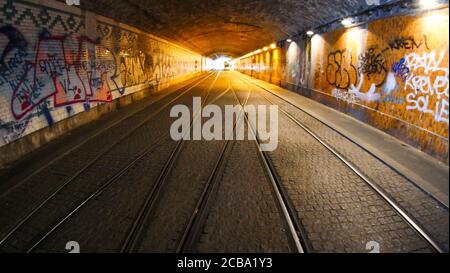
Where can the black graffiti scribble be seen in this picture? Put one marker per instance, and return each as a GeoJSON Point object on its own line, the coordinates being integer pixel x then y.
{"type": "Point", "coordinates": [373, 65]}
{"type": "Point", "coordinates": [162, 64]}
{"type": "Point", "coordinates": [407, 43]}
{"type": "Point", "coordinates": [14, 69]}
{"type": "Point", "coordinates": [341, 73]}
{"type": "Point", "coordinates": [16, 41]}
{"type": "Point", "coordinates": [132, 70]}
{"type": "Point", "coordinates": [14, 129]}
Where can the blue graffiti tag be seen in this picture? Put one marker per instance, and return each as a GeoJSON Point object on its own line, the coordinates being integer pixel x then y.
{"type": "Point", "coordinates": [401, 70]}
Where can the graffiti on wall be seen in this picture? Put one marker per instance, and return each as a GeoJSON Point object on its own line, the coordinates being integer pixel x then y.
{"type": "Point", "coordinates": [427, 79]}
{"type": "Point", "coordinates": [391, 73]}
{"type": "Point", "coordinates": [132, 70]}
{"type": "Point", "coordinates": [409, 43]}
{"type": "Point", "coordinates": [373, 65]}
{"type": "Point", "coordinates": [50, 70]}
{"type": "Point", "coordinates": [293, 72]}
{"type": "Point", "coordinates": [424, 74]}
{"type": "Point", "coordinates": [341, 72]}
{"type": "Point", "coordinates": [144, 60]}
{"type": "Point", "coordinates": [401, 70]}
{"type": "Point", "coordinates": [63, 68]}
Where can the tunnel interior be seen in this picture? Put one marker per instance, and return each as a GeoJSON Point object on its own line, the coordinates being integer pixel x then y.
{"type": "Point", "coordinates": [233, 27]}
{"type": "Point", "coordinates": [224, 126]}
{"type": "Point", "coordinates": [353, 51]}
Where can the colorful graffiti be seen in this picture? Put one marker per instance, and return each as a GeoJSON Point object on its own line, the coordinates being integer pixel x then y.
{"type": "Point", "coordinates": [391, 73]}
{"type": "Point", "coordinates": [371, 66]}
{"type": "Point", "coordinates": [346, 72]}
{"type": "Point", "coordinates": [65, 69]}
{"type": "Point", "coordinates": [51, 70]}
{"type": "Point", "coordinates": [425, 75]}
{"type": "Point", "coordinates": [401, 80]}
{"type": "Point", "coordinates": [401, 70]}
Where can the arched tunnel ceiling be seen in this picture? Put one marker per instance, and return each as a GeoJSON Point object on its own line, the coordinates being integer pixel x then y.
{"type": "Point", "coordinates": [228, 27]}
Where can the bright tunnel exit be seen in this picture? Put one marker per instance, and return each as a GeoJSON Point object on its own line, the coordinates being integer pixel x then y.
{"type": "Point", "coordinates": [220, 63]}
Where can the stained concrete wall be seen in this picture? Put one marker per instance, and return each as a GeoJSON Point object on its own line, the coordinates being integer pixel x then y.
{"type": "Point", "coordinates": [391, 73]}
{"type": "Point", "coordinates": [61, 67]}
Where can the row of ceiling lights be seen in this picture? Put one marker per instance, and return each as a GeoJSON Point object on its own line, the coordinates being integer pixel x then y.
{"type": "Point", "coordinates": [346, 22]}
{"type": "Point", "coordinates": [266, 48]}
{"type": "Point", "coordinates": [349, 22]}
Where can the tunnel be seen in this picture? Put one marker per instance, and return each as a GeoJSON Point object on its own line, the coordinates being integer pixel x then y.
{"type": "Point", "coordinates": [238, 126]}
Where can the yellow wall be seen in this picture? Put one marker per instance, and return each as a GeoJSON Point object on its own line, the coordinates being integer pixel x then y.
{"type": "Point", "coordinates": [391, 73]}
{"type": "Point", "coordinates": [266, 66]}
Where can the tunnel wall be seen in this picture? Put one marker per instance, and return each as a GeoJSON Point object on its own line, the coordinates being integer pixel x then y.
{"type": "Point", "coordinates": [62, 67]}
{"type": "Point", "coordinates": [391, 73]}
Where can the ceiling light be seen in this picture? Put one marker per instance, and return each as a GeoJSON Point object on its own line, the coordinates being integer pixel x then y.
{"type": "Point", "coordinates": [265, 48]}
{"type": "Point", "coordinates": [347, 22]}
{"type": "Point", "coordinates": [427, 3]}
{"type": "Point", "coordinates": [289, 40]}
{"type": "Point", "coordinates": [273, 46]}
{"type": "Point", "coordinates": [310, 33]}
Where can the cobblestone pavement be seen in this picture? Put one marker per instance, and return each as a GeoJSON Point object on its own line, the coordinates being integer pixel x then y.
{"type": "Point", "coordinates": [181, 191]}
{"type": "Point", "coordinates": [338, 210]}
{"type": "Point", "coordinates": [244, 216]}
{"type": "Point", "coordinates": [426, 210]}
{"type": "Point", "coordinates": [103, 223]}
{"type": "Point", "coordinates": [24, 197]}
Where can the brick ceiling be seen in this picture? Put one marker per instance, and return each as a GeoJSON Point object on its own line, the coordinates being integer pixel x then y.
{"type": "Point", "coordinates": [227, 27]}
